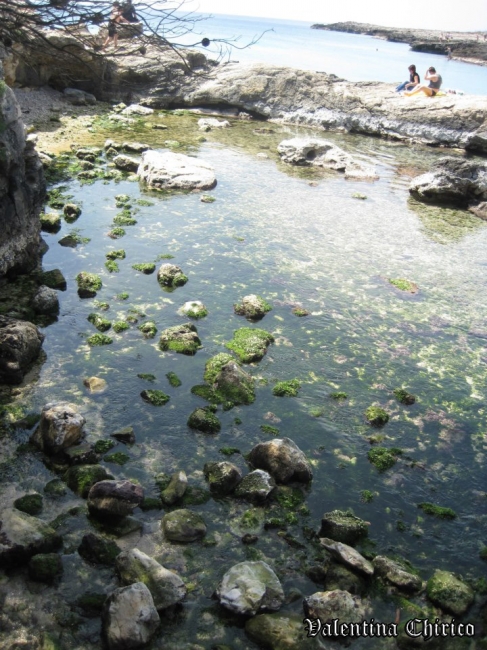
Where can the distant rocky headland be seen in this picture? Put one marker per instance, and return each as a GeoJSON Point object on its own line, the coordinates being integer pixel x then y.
{"type": "Point", "coordinates": [470, 47]}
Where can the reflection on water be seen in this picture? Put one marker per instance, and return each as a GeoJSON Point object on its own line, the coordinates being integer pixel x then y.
{"type": "Point", "coordinates": [273, 232]}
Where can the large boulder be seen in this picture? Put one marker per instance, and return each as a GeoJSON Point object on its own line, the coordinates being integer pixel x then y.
{"type": "Point", "coordinates": [395, 574]}
{"type": "Point", "coordinates": [452, 180]}
{"type": "Point", "coordinates": [22, 191]}
{"type": "Point", "coordinates": [114, 498]}
{"type": "Point", "coordinates": [449, 592]}
{"type": "Point", "coordinates": [323, 153]}
{"type": "Point", "coordinates": [22, 536]}
{"type": "Point", "coordinates": [164, 171]}
{"type": "Point", "coordinates": [129, 617]}
{"type": "Point", "coordinates": [60, 426]}
{"type": "Point", "coordinates": [250, 587]}
{"type": "Point", "coordinates": [166, 587]}
{"type": "Point", "coordinates": [20, 344]}
{"type": "Point", "coordinates": [283, 459]}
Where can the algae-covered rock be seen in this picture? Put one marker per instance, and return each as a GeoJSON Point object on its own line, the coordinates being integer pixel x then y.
{"type": "Point", "coordinates": [250, 344]}
{"type": "Point", "coordinates": [437, 511]}
{"type": "Point", "coordinates": [60, 426]}
{"type": "Point", "coordinates": [22, 536]}
{"type": "Point", "coordinates": [101, 324]}
{"type": "Point", "coordinates": [383, 458]}
{"type": "Point", "coordinates": [223, 477]}
{"type": "Point", "coordinates": [148, 329]}
{"type": "Point", "coordinates": [180, 338]}
{"type": "Point", "coordinates": [155, 397]}
{"type": "Point", "coordinates": [204, 419]}
{"type": "Point", "coordinates": [253, 307]}
{"type": "Point", "coordinates": [98, 550]}
{"type": "Point", "coordinates": [348, 555]}
{"type": "Point", "coordinates": [50, 222]}
{"type": "Point", "coordinates": [54, 279]}
{"type": "Point", "coordinates": [277, 632]}
{"type": "Point", "coordinates": [173, 379]}
{"type": "Point", "coordinates": [96, 340]}
{"type": "Point", "coordinates": [289, 388]}
{"type": "Point", "coordinates": [146, 267]}
{"type": "Point", "coordinates": [376, 416]}
{"type": "Point", "coordinates": [193, 309]}
{"type": "Point", "coordinates": [256, 487]}
{"type": "Point", "coordinates": [88, 284]}
{"type": "Point", "coordinates": [250, 587]}
{"type": "Point", "coordinates": [166, 586]}
{"type": "Point", "coordinates": [83, 454]}
{"type": "Point", "coordinates": [80, 478]}
{"type": "Point", "coordinates": [55, 488]}
{"type": "Point", "coordinates": [283, 459]}
{"type": "Point", "coordinates": [175, 489]}
{"type": "Point", "coordinates": [170, 275]}
{"type": "Point", "coordinates": [71, 212]}
{"type": "Point", "coordinates": [129, 617]}
{"type": "Point", "coordinates": [343, 527]}
{"type": "Point", "coordinates": [183, 526]}
{"type": "Point", "coordinates": [45, 567]}
{"type": "Point", "coordinates": [337, 604]}
{"type": "Point", "coordinates": [449, 592]}
{"type": "Point", "coordinates": [396, 574]}
{"type": "Point", "coordinates": [29, 503]}
{"type": "Point", "coordinates": [229, 382]}
{"type": "Point", "coordinates": [403, 396]}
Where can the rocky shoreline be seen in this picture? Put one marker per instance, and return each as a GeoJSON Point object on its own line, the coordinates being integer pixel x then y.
{"type": "Point", "coordinates": [470, 47]}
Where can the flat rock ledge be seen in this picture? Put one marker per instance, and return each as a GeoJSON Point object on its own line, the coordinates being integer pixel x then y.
{"type": "Point", "coordinates": [175, 171]}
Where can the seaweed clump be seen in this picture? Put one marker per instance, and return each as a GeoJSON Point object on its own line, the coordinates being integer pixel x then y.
{"type": "Point", "coordinates": [250, 344]}
{"type": "Point", "coordinates": [383, 458]}
{"type": "Point", "coordinates": [437, 511]}
{"type": "Point", "coordinates": [287, 388]}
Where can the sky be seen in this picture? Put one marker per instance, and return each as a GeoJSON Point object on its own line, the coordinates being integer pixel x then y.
{"type": "Point", "coordinates": [468, 15]}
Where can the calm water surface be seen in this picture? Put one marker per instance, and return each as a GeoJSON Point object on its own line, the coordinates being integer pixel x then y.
{"type": "Point", "coordinates": [273, 233]}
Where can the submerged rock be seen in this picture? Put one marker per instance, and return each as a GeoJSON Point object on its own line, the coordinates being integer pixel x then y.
{"type": "Point", "coordinates": [329, 605]}
{"type": "Point", "coordinates": [394, 573]}
{"type": "Point", "coordinates": [250, 587]}
{"type": "Point", "coordinates": [176, 489]}
{"type": "Point", "coordinates": [81, 478]}
{"type": "Point", "coordinates": [283, 459]}
{"type": "Point", "coordinates": [98, 550]}
{"type": "Point", "coordinates": [256, 487]}
{"type": "Point", "coordinates": [169, 171]}
{"type": "Point", "coordinates": [22, 536]}
{"type": "Point", "coordinates": [253, 307]}
{"type": "Point", "coordinates": [170, 275]}
{"type": "Point", "coordinates": [278, 632]}
{"type": "Point", "coordinates": [323, 153]}
{"type": "Point", "coordinates": [348, 555]}
{"type": "Point", "coordinates": [343, 527]}
{"type": "Point", "coordinates": [45, 567]}
{"type": "Point", "coordinates": [20, 344]}
{"type": "Point", "coordinates": [180, 338]}
{"type": "Point", "coordinates": [204, 419]}
{"type": "Point", "coordinates": [183, 526]}
{"type": "Point", "coordinates": [46, 301]}
{"type": "Point", "coordinates": [449, 592]}
{"type": "Point", "coordinates": [114, 498]}
{"type": "Point", "coordinates": [129, 618]}
{"type": "Point", "coordinates": [223, 477]}
{"type": "Point", "coordinates": [229, 382]}
{"type": "Point", "coordinates": [60, 426]}
{"type": "Point", "coordinates": [29, 503]}
{"type": "Point", "coordinates": [166, 587]}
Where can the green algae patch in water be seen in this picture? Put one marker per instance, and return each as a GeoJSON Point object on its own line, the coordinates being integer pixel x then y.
{"type": "Point", "coordinates": [270, 430]}
{"type": "Point", "coordinates": [148, 329]}
{"type": "Point", "coordinates": [376, 416]}
{"type": "Point", "coordinates": [338, 395]}
{"type": "Point", "coordinates": [155, 397]}
{"type": "Point", "coordinates": [118, 457]}
{"type": "Point", "coordinates": [383, 458]}
{"type": "Point", "coordinates": [99, 339]}
{"type": "Point", "coordinates": [116, 233]}
{"type": "Point", "coordinates": [300, 312]}
{"type": "Point", "coordinates": [101, 324]}
{"type": "Point", "coordinates": [29, 503]}
{"type": "Point", "coordinates": [404, 285]}
{"type": "Point", "coordinates": [88, 284]}
{"type": "Point", "coordinates": [120, 326]}
{"type": "Point", "coordinates": [102, 446]}
{"type": "Point", "coordinates": [289, 388]}
{"type": "Point", "coordinates": [250, 344]}
{"type": "Point", "coordinates": [123, 219]}
{"type": "Point", "coordinates": [147, 377]}
{"type": "Point", "coordinates": [111, 266]}
{"type": "Point", "coordinates": [116, 255]}
{"type": "Point", "coordinates": [180, 338]}
{"type": "Point", "coordinates": [173, 379]}
{"type": "Point", "coordinates": [122, 296]}
{"type": "Point", "coordinates": [437, 511]}
{"type": "Point", "coordinates": [366, 496]}
{"type": "Point", "coordinates": [205, 420]}
{"type": "Point", "coordinates": [230, 451]}
{"type": "Point", "coordinates": [404, 397]}
{"type": "Point", "coordinates": [147, 267]}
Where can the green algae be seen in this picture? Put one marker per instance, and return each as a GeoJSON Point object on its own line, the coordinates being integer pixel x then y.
{"type": "Point", "coordinates": [148, 329]}
{"type": "Point", "coordinates": [437, 511]}
{"type": "Point", "coordinates": [88, 281]}
{"type": "Point", "coordinates": [250, 344]}
{"type": "Point", "coordinates": [383, 458]}
{"type": "Point", "coordinates": [196, 311]}
{"type": "Point", "coordinates": [155, 397]}
{"type": "Point", "coordinates": [229, 451]}
{"type": "Point", "coordinates": [404, 285]}
{"type": "Point", "coordinates": [254, 308]}
{"type": "Point", "coordinates": [173, 379]}
{"type": "Point", "coordinates": [289, 388]}
{"type": "Point", "coordinates": [147, 267]}
{"type": "Point", "coordinates": [99, 339]}
{"type": "Point", "coordinates": [124, 220]}
{"type": "Point", "coordinates": [366, 496]}
{"type": "Point", "coordinates": [338, 395]}
{"type": "Point", "coordinates": [102, 446]}
{"type": "Point", "coordinates": [116, 255]}
{"type": "Point", "coordinates": [120, 326]}
{"type": "Point", "coordinates": [376, 416]}
{"type": "Point", "coordinates": [29, 503]}
{"type": "Point", "coordinates": [116, 233]}
{"type": "Point", "coordinates": [403, 396]}
{"type": "Point", "coordinates": [267, 428]}
{"type": "Point", "coordinates": [203, 419]}
{"type": "Point", "coordinates": [147, 376]}
{"type": "Point", "coordinates": [122, 296]}
{"type": "Point", "coordinates": [300, 312]}
{"type": "Point", "coordinates": [180, 338]}
{"type": "Point", "coordinates": [101, 324]}
{"type": "Point", "coordinates": [111, 266]}
{"type": "Point", "coordinates": [118, 457]}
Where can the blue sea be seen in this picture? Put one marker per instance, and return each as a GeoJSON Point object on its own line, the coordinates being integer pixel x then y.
{"type": "Point", "coordinates": [350, 56]}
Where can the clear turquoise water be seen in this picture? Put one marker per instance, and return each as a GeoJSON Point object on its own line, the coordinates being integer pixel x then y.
{"type": "Point", "coordinates": [350, 56]}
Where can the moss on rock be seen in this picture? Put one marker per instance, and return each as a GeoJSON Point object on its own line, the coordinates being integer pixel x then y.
{"type": "Point", "coordinates": [148, 329]}
{"type": "Point", "coordinates": [88, 284]}
{"type": "Point", "coordinates": [120, 326]}
{"type": "Point", "coordinates": [155, 397]}
{"type": "Point", "coordinates": [205, 420]}
{"type": "Point", "coordinates": [180, 338]}
{"type": "Point", "coordinates": [116, 255]}
{"type": "Point", "coordinates": [437, 511]}
{"type": "Point", "coordinates": [99, 339]}
{"type": "Point", "coordinates": [80, 478]}
{"type": "Point", "coordinates": [383, 458]}
{"type": "Point", "coordinates": [173, 379]}
{"type": "Point", "coordinates": [449, 592]}
{"type": "Point", "coordinates": [250, 344]}
{"type": "Point", "coordinates": [403, 396]}
{"type": "Point", "coordinates": [45, 567]}
{"type": "Point", "coordinates": [287, 388]}
{"type": "Point", "coordinates": [253, 307]}
{"type": "Point", "coordinates": [376, 416]}
{"type": "Point", "coordinates": [147, 268]}
{"type": "Point", "coordinates": [29, 503]}
{"type": "Point", "coordinates": [101, 324]}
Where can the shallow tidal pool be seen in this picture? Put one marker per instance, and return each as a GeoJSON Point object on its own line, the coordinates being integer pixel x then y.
{"type": "Point", "coordinates": [298, 238]}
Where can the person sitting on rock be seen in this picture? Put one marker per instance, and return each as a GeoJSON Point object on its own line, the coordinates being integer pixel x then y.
{"type": "Point", "coordinates": [128, 12]}
{"type": "Point", "coordinates": [432, 88]}
{"type": "Point", "coordinates": [115, 19]}
{"type": "Point", "coordinates": [414, 80]}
